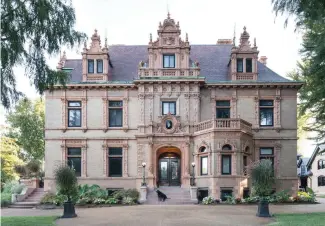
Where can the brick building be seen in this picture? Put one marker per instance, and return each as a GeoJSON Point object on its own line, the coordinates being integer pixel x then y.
{"type": "Point", "coordinates": [170, 104]}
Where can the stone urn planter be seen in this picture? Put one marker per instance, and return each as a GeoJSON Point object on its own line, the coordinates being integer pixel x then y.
{"type": "Point", "coordinates": [263, 209]}
{"type": "Point", "coordinates": [69, 210]}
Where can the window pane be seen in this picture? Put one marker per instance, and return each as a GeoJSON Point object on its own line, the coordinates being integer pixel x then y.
{"type": "Point", "coordinates": [99, 66]}
{"type": "Point", "coordinates": [90, 66]}
{"type": "Point", "coordinates": [239, 65]}
{"type": "Point", "coordinates": [266, 151]}
{"type": "Point", "coordinates": [223, 103]}
{"type": "Point", "coordinates": [266, 102]}
{"type": "Point", "coordinates": [249, 65]}
{"type": "Point", "coordinates": [203, 149]}
{"type": "Point", "coordinates": [224, 194]}
{"type": "Point", "coordinates": [166, 61]}
{"type": "Point", "coordinates": [226, 161]}
{"type": "Point", "coordinates": [172, 108]}
{"type": "Point", "coordinates": [223, 112]}
{"type": "Point", "coordinates": [204, 165]}
{"type": "Point", "coordinates": [266, 116]}
{"type": "Point", "coordinates": [74, 104]}
{"type": "Point", "coordinates": [74, 118]}
{"type": "Point", "coordinates": [115, 118]}
{"type": "Point", "coordinates": [115, 103]}
{"type": "Point", "coordinates": [169, 107]}
{"type": "Point", "coordinates": [171, 61]}
{"type": "Point", "coordinates": [115, 166]}
{"type": "Point", "coordinates": [74, 151]}
{"type": "Point", "coordinates": [75, 163]}
{"type": "Point", "coordinates": [115, 151]}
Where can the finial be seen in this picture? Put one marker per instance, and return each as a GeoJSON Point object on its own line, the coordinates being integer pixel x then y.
{"type": "Point", "coordinates": [105, 43]}
{"type": "Point", "coordinates": [254, 42]}
{"type": "Point", "coordinates": [168, 15]}
{"type": "Point", "coordinates": [150, 37]}
{"type": "Point", "coordinates": [234, 39]}
{"type": "Point", "coordinates": [244, 28]}
{"type": "Point", "coordinates": [85, 44]}
{"type": "Point", "coordinates": [186, 38]}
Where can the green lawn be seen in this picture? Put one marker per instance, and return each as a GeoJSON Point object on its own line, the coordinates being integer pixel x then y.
{"type": "Point", "coordinates": [310, 219]}
{"type": "Point", "coordinates": [320, 196]}
{"type": "Point", "coordinates": [28, 221]}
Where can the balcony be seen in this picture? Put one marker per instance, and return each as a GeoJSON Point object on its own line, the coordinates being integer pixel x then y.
{"type": "Point", "coordinates": [227, 124]}
{"type": "Point", "coordinates": [169, 72]}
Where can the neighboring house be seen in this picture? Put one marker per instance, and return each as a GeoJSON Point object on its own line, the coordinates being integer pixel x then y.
{"type": "Point", "coordinates": [303, 172]}
{"type": "Point", "coordinates": [316, 165]}
{"type": "Point", "coordinates": [213, 105]}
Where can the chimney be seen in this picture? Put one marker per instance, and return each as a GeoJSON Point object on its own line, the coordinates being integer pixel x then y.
{"type": "Point", "coordinates": [263, 60]}
{"type": "Point", "coordinates": [224, 42]}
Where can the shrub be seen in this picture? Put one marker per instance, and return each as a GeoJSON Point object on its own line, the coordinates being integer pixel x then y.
{"type": "Point", "coordinates": [17, 189]}
{"type": "Point", "coordinates": [230, 199]}
{"type": "Point", "coordinates": [111, 201]}
{"type": "Point", "coordinates": [48, 198]}
{"type": "Point", "coordinates": [306, 197]}
{"type": "Point", "coordinates": [238, 200]}
{"type": "Point", "coordinates": [59, 199]}
{"type": "Point", "coordinates": [34, 166]}
{"type": "Point", "coordinates": [119, 195]}
{"type": "Point", "coordinates": [128, 200]}
{"type": "Point", "coordinates": [131, 193]}
{"type": "Point", "coordinates": [207, 200]}
{"type": "Point", "coordinates": [252, 199]}
{"type": "Point", "coordinates": [282, 196]}
{"type": "Point", "coordinates": [5, 199]}
{"type": "Point", "coordinates": [66, 180]}
{"type": "Point", "coordinates": [262, 178]}
{"type": "Point", "coordinates": [92, 192]}
{"type": "Point", "coordinates": [99, 201]}
{"type": "Point", "coordinates": [8, 187]}
{"type": "Point", "coordinates": [21, 170]}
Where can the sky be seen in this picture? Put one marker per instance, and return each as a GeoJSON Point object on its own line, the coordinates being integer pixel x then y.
{"type": "Point", "coordinates": [131, 21]}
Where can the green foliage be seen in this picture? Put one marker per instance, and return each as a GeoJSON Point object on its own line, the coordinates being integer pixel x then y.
{"type": "Point", "coordinates": [207, 200]}
{"type": "Point", "coordinates": [34, 166]}
{"type": "Point", "coordinates": [18, 189]}
{"type": "Point", "coordinates": [92, 192]}
{"type": "Point", "coordinates": [111, 201]}
{"type": "Point", "coordinates": [21, 170]}
{"type": "Point", "coordinates": [48, 198]}
{"type": "Point", "coordinates": [30, 32]}
{"type": "Point", "coordinates": [282, 196]}
{"type": "Point", "coordinates": [27, 122]}
{"type": "Point", "coordinates": [306, 197]}
{"type": "Point", "coordinates": [5, 199]}
{"type": "Point", "coordinates": [310, 20]}
{"type": "Point", "coordinates": [132, 193]}
{"type": "Point", "coordinates": [66, 180]}
{"type": "Point", "coordinates": [300, 219]}
{"type": "Point", "coordinates": [262, 178]}
{"type": "Point", "coordinates": [9, 158]}
{"type": "Point", "coordinates": [99, 201]}
{"type": "Point", "coordinates": [128, 200]}
{"type": "Point", "coordinates": [9, 186]}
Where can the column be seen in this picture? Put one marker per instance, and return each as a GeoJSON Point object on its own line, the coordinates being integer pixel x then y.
{"type": "Point", "coordinates": [125, 160]}
{"type": "Point", "coordinates": [186, 158]}
{"type": "Point", "coordinates": [150, 159]}
{"type": "Point", "coordinates": [84, 161]}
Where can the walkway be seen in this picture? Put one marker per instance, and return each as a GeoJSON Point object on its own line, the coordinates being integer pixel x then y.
{"type": "Point", "coordinates": [189, 215]}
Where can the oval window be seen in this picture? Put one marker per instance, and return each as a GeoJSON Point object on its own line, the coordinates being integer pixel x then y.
{"type": "Point", "coordinates": [169, 124]}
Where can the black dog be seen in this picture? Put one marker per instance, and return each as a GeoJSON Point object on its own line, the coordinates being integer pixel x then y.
{"type": "Point", "coordinates": [161, 196]}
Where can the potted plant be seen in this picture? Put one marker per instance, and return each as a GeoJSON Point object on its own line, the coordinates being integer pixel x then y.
{"type": "Point", "coordinates": [67, 184]}
{"type": "Point", "coordinates": [262, 176]}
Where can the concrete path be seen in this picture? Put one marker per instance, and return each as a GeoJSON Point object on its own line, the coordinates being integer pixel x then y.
{"type": "Point", "coordinates": [154, 215]}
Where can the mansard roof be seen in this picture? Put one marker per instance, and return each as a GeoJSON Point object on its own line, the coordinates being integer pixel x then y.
{"type": "Point", "coordinates": [213, 60]}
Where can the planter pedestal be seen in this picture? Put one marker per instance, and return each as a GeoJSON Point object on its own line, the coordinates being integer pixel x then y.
{"type": "Point", "coordinates": [69, 210]}
{"type": "Point", "coordinates": [263, 209]}
{"type": "Point", "coordinates": [193, 192]}
{"type": "Point", "coordinates": [143, 194]}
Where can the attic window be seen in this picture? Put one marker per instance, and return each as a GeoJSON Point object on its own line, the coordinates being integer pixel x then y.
{"type": "Point", "coordinates": [169, 61]}
{"type": "Point", "coordinates": [249, 67]}
{"type": "Point", "coordinates": [91, 66]}
{"type": "Point", "coordinates": [99, 66]}
{"type": "Point", "coordinates": [239, 65]}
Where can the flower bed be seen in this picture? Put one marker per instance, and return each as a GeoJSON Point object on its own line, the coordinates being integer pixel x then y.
{"type": "Point", "coordinates": [279, 198]}
{"type": "Point", "coordinates": [92, 196]}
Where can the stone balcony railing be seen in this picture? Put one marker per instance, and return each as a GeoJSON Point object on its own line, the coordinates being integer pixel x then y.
{"type": "Point", "coordinates": [227, 124]}
{"type": "Point", "coordinates": [169, 72]}
{"type": "Point", "coordinates": [245, 76]}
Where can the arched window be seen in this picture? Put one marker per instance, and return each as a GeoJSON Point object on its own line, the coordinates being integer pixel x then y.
{"type": "Point", "coordinates": [203, 155]}
{"type": "Point", "coordinates": [226, 147]}
{"type": "Point", "coordinates": [321, 181]}
{"type": "Point", "coordinates": [203, 149]}
{"type": "Point", "coordinates": [321, 164]}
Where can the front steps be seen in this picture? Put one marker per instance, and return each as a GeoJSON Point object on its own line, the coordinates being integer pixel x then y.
{"type": "Point", "coordinates": [31, 201]}
{"type": "Point", "coordinates": [176, 196]}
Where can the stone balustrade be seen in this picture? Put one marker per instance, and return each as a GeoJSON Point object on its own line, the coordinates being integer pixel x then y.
{"type": "Point", "coordinates": [224, 124]}
{"type": "Point", "coordinates": [169, 72]}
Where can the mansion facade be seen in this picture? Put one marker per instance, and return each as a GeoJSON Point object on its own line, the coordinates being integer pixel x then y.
{"type": "Point", "coordinates": [181, 109]}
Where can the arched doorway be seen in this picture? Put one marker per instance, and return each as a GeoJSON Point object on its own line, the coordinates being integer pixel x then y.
{"type": "Point", "coordinates": [169, 169]}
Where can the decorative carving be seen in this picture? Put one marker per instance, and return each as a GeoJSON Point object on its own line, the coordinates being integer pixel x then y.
{"type": "Point", "coordinates": [169, 124]}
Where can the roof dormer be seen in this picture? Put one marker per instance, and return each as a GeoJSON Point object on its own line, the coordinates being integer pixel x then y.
{"type": "Point", "coordinates": [243, 65]}
{"type": "Point", "coordinates": [95, 60]}
{"type": "Point", "coordinates": [169, 55]}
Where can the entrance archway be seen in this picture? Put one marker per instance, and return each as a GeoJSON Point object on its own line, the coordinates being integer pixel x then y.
{"type": "Point", "coordinates": [169, 167]}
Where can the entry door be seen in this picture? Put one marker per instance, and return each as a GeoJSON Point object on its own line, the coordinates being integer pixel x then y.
{"type": "Point", "coordinates": [169, 172]}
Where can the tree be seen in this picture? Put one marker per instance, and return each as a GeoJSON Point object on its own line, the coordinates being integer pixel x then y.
{"type": "Point", "coordinates": [27, 126]}
{"type": "Point", "coordinates": [31, 30]}
{"type": "Point", "coordinates": [9, 158]}
{"type": "Point", "coordinates": [310, 20]}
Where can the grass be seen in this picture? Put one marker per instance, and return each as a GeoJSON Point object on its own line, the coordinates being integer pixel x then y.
{"type": "Point", "coordinates": [310, 219]}
{"type": "Point", "coordinates": [320, 196]}
{"type": "Point", "coordinates": [28, 221]}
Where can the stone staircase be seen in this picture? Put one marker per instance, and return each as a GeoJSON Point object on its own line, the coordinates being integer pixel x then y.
{"type": "Point", "coordinates": [31, 201]}
{"type": "Point", "coordinates": [176, 196]}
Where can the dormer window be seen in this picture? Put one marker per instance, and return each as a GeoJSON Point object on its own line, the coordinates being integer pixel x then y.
{"type": "Point", "coordinates": [91, 66]}
{"type": "Point", "coordinates": [240, 65]}
{"type": "Point", "coordinates": [249, 67]}
{"type": "Point", "coordinates": [99, 66]}
{"type": "Point", "coordinates": [169, 61]}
